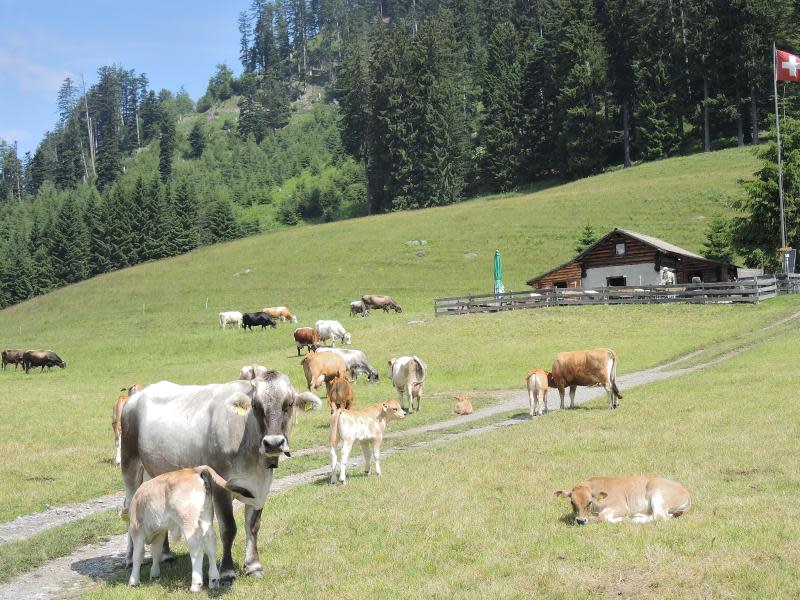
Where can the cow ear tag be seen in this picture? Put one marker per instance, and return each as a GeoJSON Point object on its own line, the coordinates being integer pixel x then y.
{"type": "Point", "coordinates": [308, 407]}
{"type": "Point", "coordinates": [241, 411]}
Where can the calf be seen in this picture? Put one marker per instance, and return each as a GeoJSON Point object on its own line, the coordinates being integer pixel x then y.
{"type": "Point", "coordinates": [12, 357]}
{"type": "Point", "coordinates": [231, 316]}
{"type": "Point", "coordinates": [250, 320]}
{"type": "Point", "coordinates": [408, 376]}
{"type": "Point", "coordinates": [383, 302]}
{"type": "Point", "coordinates": [358, 307]}
{"type": "Point", "coordinates": [538, 382]}
{"type": "Point", "coordinates": [280, 313]}
{"type": "Point", "coordinates": [366, 426]}
{"type": "Point", "coordinates": [610, 499]}
{"type": "Point", "coordinates": [179, 502]}
{"type": "Point", "coordinates": [116, 417]}
{"type": "Point", "coordinates": [321, 368]}
{"type": "Point", "coordinates": [306, 337]}
{"type": "Point", "coordinates": [589, 368]}
{"type": "Point", "coordinates": [250, 372]}
{"type": "Point", "coordinates": [340, 394]}
{"type": "Point", "coordinates": [41, 358]}
{"type": "Point", "coordinates": [463, 406]}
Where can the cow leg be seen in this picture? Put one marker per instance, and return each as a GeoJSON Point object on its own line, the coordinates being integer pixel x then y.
{"type": "Point", "coordinates": [210, 539]}
{"type": "Point", "coordinates": [532, 402]}
{"type": "Point", "coordinates": [572, 389]}
{"type": "Point", "coordinates": [346, 447]}
{"type": "Point", "coordinates": [640, 518]}
{"type": "Point", "coordinates": [118, 444]}
{"type": "Point", "coordinates": [252, 562]}
{"type": "Point", "coordinates": [610, 516]}
{"type": "Point", "coordinates": [155, 552]}
{"type": "Point", "coordinates": [333, 464]}
{"type": "Point", "coordinates": [611, 403]}
{"type": "Point", "coordinates": [400, 399]}
{"type": "Point", "coordinates": [410, 398]}
{"type": "Point", "coordinates": [132, 475]}
{"type": "Point", "coordinates": [376, 453]}
{"type": "Point", "coordinates": [196, 553]}
{"type": "Point", "coordinates": [561, 394]}
{"type": "Point", "coordinates": [137, 555]}
{"type": "Point", "coordinates": [223, 507]}
{"type": "Point", "coordinates": [166, 553]}
{"type": "Point", "coordinates": [366, 448]}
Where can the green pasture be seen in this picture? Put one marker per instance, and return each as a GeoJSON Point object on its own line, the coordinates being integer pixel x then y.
{"type": "Point", "coordinates": [477, 518]}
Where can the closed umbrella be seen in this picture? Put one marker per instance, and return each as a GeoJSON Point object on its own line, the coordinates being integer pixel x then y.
{"type": "Point", "coordinates": [499, 288]}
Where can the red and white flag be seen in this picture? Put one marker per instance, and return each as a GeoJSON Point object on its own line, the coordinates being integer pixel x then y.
{"type": "Point", "coordinates": [787, 66]}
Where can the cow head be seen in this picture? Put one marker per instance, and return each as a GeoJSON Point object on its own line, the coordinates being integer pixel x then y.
{"type": "Point", "coordinates": [346, 339]}
{"type": "Point", "coordinates": [372, 375]}
{"type": "Point", "coordinates": [271, 401]}
{"type": "Point", "coordinates": [397, 308]}
{"type": "Point", "coordinates": [392, 410]}
{"type": "Point", "coordinates": [583, 502]}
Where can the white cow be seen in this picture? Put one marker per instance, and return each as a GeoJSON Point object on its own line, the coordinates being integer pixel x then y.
{"type": "Point", "coordinates": [332, 330]}
{"type": "Point", "coordinates": [231, 316]}
{"type": "Point", "coordinates": [408, 375]}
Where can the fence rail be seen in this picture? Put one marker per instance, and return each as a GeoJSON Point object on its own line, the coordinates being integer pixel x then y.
{"type": "Point", "coordinates": [751, 290]}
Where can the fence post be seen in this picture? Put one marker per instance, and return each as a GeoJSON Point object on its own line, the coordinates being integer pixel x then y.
{"type": "Point", "coordinates": [758, 290]}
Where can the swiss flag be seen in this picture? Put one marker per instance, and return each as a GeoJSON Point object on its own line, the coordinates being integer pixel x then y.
{"type": "Point", "coordinates": [788, 66]}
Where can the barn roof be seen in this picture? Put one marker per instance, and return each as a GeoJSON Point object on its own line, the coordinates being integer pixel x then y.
{"type": "Point", "coordinates": [654, 242]}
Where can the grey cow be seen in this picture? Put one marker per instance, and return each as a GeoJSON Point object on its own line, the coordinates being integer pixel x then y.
{"type": "Point", "coordinates": [356, 362]}
{"type": "Point", "coordinates": [240, 429]}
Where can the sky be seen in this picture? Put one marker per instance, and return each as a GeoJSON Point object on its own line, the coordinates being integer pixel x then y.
{"type": "Point", "coordinates": [175, 42]}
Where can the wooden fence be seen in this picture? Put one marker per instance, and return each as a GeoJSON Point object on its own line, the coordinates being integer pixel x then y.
{"type": "Point", "coordinates": [750, 290]}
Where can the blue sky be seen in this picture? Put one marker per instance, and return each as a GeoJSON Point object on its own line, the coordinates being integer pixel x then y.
{"type": "Point", "coordinates": [176, 42]}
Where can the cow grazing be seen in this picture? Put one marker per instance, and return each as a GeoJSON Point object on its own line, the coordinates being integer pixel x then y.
{"type": "Point", "coordinates": [321, 368]}
{"type": "Point", "coordinates": [381, 302]}
{"type": "Point", "coordinates": [248, 372]}
{"type": "Point", "coordinates": [356, 361]}
{"type": "Point", "coordinates": [231, 316]}
{"type": "Point", "coordinates": [332, 330]}
{"type": "Point", "coordinates": [280, 313]}
{"type": "Point", "coordinates": [116, 422]}
{"type": "Point", "coordinates": [250, 320]}
{"type": "Point", "coordinates": [306, 337]}
{"type": "Point", "coordinates": [181, 502]}
{"type": "Point", "coordinates": [408, 376]}
{"type": "Point", "coordinates": [340, 394]}
{"type": "Point", "coordinates": [239, 429]}
{"type": "Point", "coordinates": [357, 307]}
{"type": "Point", "coordinates": [41, 358]}
{"type": "Point", "coordinates": [366, 426]}
{"type": "Point", "coordinates": [12, 357]}
{"type": "Point", "coordinates": [589, 368]}
{"type": "Point", "coordinates": [463, 406]}
{"type": "Point", "coordinates": [538, 382]}
{"type": "Point", "coordinates": [610, 499]}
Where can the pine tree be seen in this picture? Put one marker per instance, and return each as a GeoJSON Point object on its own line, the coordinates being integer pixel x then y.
{"type": "Point", "coordinates": [69, 167]}
{"type": "Point", "coordinates": [586, 238]}
{"type": "Point", "coordinates": [39, 251]}
{"type": "Point", "coordinates": [107, 99]}
{"type": "Point", "coordinates": [166, 148]}
{"type": "Point", "coordinates": [94, 217]}
{"type": "Point", "coordinates": [221, 222]}
{"type": "Point", "coordinates": [197, 140]}
{"type": "Point", "coordinates": [185, 209]}
{"type": "Point", "coordinates": [153, 230]}
{"type": "Point", "coordinates": [718, 241]}
{"type": "Point", "coordinates": [69, 249]}
{"type": "Point", "coordinates": [15, 271]}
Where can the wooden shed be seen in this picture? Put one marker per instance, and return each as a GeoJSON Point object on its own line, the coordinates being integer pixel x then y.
{"type": "Point", "coordinates": [623, 258]}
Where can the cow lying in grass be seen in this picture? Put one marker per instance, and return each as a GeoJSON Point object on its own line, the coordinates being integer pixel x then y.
{"type": "Point", "coordinates": [610, 499]}
{"type": "Point", "coordinates": [366, 426]}
{"type": "Point", "coordinates": [178, 502]}
{"type": "Point", "coordinates": [463, 406]}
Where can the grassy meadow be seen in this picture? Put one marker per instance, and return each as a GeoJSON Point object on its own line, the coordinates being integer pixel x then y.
{"type": "Point", "coordinates": [477, 518]}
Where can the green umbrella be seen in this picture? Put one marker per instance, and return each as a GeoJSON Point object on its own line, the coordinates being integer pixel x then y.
{"type": "Point", "coordinates": [499, 288]}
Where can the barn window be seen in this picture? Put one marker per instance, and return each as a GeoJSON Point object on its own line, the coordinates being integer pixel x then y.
{"type": "Point", "coordinates": [560, 284]}
{"type": "Point", "coordinates": [620, 249]}
{"type": "Point", "coordinates": [616, 281]}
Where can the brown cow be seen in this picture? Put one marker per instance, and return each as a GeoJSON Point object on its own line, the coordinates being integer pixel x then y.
{"type": "Point", "coordinates": [340, 394]}
{"type": "Point", "coordinates": [610, 499]}
{"type": "Point", "coordinates": [308, 337]}
{"type": "Point", "coordinates": [116, 422]}
{"type": "Point", "coordinates": [280, 313]}
{"type": "Point", "coordinates": [539, 382]}
{"type": "Point", "coordinates": [463, 406]}
{"type": "Point", "coordinates": [12, 357]}
{"type": "Point", "coordinates": [384, 302]}
{"type": "Point", "coordinates": [320, 368]}
{"type": "Point", "coordinates": [589, 368]}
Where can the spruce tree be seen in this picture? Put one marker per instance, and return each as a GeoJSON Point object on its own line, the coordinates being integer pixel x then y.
{"type": "Point", "coordinates": [197, 140]}
{"type": "Point", "coordinates": [15, 271]}
{"type": "Point", "coordinates": [69, 249]}
{"type": "Point", "coordinates": [107, 99]}
{"type": "Point", "coordinates": [166, 148]}
{"type": "Point", "coordinates": [718, 240]}
{"type": "Point", "coordinates": [586, 238]}
{"type": "Point", "coordinates": [221, 222]}
{"type": "Point", "coordinates": [153, 233]}
{"type": "Point", "coordinates": [94, 217]}
{"type": "Point", "coordinates": [185, 209]}
{"type": "Point", "coordinates": [39, 250]}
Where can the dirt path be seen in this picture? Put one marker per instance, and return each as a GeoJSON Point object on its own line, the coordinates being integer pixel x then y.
{"type": "Point", "coordinates": [89, 565]}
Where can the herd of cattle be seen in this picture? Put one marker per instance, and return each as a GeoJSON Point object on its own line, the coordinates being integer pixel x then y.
{"type": "Point", "coordinates": [187, 451]}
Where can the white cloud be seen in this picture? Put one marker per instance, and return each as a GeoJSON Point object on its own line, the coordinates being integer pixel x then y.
{"type": "Point", "coordinates": [29, 76]}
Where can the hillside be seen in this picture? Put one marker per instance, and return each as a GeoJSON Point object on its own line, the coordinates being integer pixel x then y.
{"type": "Point", "coordinates": [149, 322]}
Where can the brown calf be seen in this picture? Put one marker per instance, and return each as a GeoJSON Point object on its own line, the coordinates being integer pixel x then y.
{"type": "Point", "coordinates": [340, 394]}
{"type": "Point", "coordinates": [308, 337]}
{"type": "Point", "coordinates": [463, 406]}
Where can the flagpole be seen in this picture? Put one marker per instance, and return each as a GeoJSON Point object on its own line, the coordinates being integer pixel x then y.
{"type": "Point", "coordinates": [778, 135]}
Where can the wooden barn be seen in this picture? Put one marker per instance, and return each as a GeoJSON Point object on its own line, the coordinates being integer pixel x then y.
{"type": "Point", "coordinates": [627, 258]}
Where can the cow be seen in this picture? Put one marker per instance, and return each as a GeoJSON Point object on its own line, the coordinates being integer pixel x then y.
{"type": "Point", "coordinates": [340, 394]}
{"type": "Point", "coordinates": [589, 368]}
{"type": "Point", "coordinates": [116, 417]}
{"type": "Point", "coordinates": [463, 406]}
{"type": "Point", "coordinates": [306, 337]}
{"type": "Point", "coordinates": [321, 368]}
{"type": "Point", "coordinates": [366, 426]}
{"type": "Point", "coordinates": [231, 316]}
{"type": "Point", "coordinates": [248, 372]}
{"type": "Point", "coordinates": [538, 382]}
{"type": "Point", "coordinates": [41, 358]}
{"type": "Point", "coordinates": [612, 498]}
{"type": "Point", "coordinates": [384, 302]}
{"type": "Point", "coordinates": [250, 320]}
{"type": "Point", "coordinates": [12, 357]}
{"type": "Point", "coordinates": [280, 313]}
{"type": "Point", "coordinates": [332, 330]}
{"type": "Point", "coordinates": [239, 429]}
{"type": "Point", "coordinates": [180, 501]}
{"type": "Point", "coordinates": [408, 375]}
{"type": "Point", "coordinates": [357, 363]}
{"type": "Point", "coordinates": [357, 307]}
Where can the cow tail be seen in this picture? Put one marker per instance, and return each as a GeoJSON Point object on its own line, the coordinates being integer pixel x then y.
{"type": "Point", "coordinates": [209, 475]}
{"type": "Point", "coordinates": [613, 375]}
{"type": "Point", "coordinates": [334, 437]}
